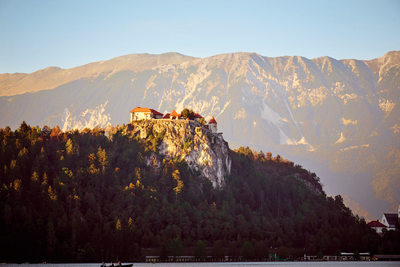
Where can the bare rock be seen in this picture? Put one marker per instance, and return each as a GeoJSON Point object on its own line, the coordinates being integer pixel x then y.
{"type": "Point", "coordinates": [202, 150]}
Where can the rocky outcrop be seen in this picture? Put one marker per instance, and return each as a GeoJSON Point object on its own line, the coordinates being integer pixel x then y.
{"type": "Point", "coordinates": [202, 150]}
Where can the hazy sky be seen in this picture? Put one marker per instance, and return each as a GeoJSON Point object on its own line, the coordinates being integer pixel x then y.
{"type": "Point", "coordinates": [41, 33]}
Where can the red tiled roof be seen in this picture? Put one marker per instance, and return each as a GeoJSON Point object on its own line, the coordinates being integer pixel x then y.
{"type": "Point", "coordinates": [139, 109]}
{"type": "Point", "coordinates": [376, 224]}
{"type": "Point", "coordinates": [197, 115]}
{"type": "Point", "coordinates": [174, 113]}
{"type": "Point", "coordinates": [156, 112]}
{"type": "Point", "coordinates": [212, 121]}
{"type": "Point", "coordinates": [166, 116]}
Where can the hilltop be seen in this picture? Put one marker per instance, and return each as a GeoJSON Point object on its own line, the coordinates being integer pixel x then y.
{"type": "Point", "coordinates": [124, 192]}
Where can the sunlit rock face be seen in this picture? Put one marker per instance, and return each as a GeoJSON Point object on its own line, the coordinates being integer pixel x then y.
{"type": "Point", "coordinates": [203, 151]}
{"type": "Point", "coordinates": [339, 118]}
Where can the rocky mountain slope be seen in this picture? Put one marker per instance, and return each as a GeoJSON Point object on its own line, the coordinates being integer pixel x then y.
{"type": "Point", "coordinates": [339, 118]}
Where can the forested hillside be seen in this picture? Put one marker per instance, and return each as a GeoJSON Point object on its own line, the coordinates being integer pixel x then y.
{"type": "Point", "coordinates": [92, 196]}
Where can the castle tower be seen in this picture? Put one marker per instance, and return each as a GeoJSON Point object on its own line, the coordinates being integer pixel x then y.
{"type": "Point", "coordinates": [175, 115]}
{"type": "Point", "coordinates": [212, 125]}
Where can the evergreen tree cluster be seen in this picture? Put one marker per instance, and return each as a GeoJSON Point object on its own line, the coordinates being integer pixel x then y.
{"type": "Point", "coordinates": [93, 196]}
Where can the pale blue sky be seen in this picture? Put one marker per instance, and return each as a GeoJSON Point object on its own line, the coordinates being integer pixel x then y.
{"type": "Point", "coordinates": [42, 33]}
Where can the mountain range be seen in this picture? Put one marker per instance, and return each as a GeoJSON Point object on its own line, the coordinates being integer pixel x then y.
{"type": "Point", "coordinates": [338, 118]}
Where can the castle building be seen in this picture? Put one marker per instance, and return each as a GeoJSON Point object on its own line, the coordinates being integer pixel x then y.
{"type": "Point", "coordinates": [139, 113]}
{"type": "Point", "coordinates": [212, 125]}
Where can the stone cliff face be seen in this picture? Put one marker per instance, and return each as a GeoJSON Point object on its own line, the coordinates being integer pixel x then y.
{"type": "Point", "coordinates": [202, 150]}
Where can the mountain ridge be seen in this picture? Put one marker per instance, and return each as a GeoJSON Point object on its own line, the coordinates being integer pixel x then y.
{"type": "Point", "coordinates": [340, 114]}
{"type": "Point", "coordinates": [62, 76]}
{"type": "Point", "coordinates": [5, 84]}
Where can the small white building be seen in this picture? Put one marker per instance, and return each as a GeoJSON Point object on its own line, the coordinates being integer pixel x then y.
{"type": "Point", "coordinates": [139, 113]}
{"type": "Point", "coordinates": [377, 226]}
{"type": "Point", "coordinates": [391, 219]}
{"type": "Point", "coordinates": [212, 125]}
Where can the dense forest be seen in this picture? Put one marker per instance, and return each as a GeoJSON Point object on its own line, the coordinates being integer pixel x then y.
{"type": "Point", "coordinates": [90, 196]}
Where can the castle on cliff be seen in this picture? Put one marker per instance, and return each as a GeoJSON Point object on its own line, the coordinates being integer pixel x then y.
{"type": "Point", "coordinates": [140, 113]}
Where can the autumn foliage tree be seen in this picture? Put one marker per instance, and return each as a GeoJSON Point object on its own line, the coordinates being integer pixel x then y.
{"type": "Point", "coordinates": [186, 113]}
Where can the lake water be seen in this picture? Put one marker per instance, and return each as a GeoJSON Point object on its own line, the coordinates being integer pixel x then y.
{"type": "Point", "coordinates": [227, 264]}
